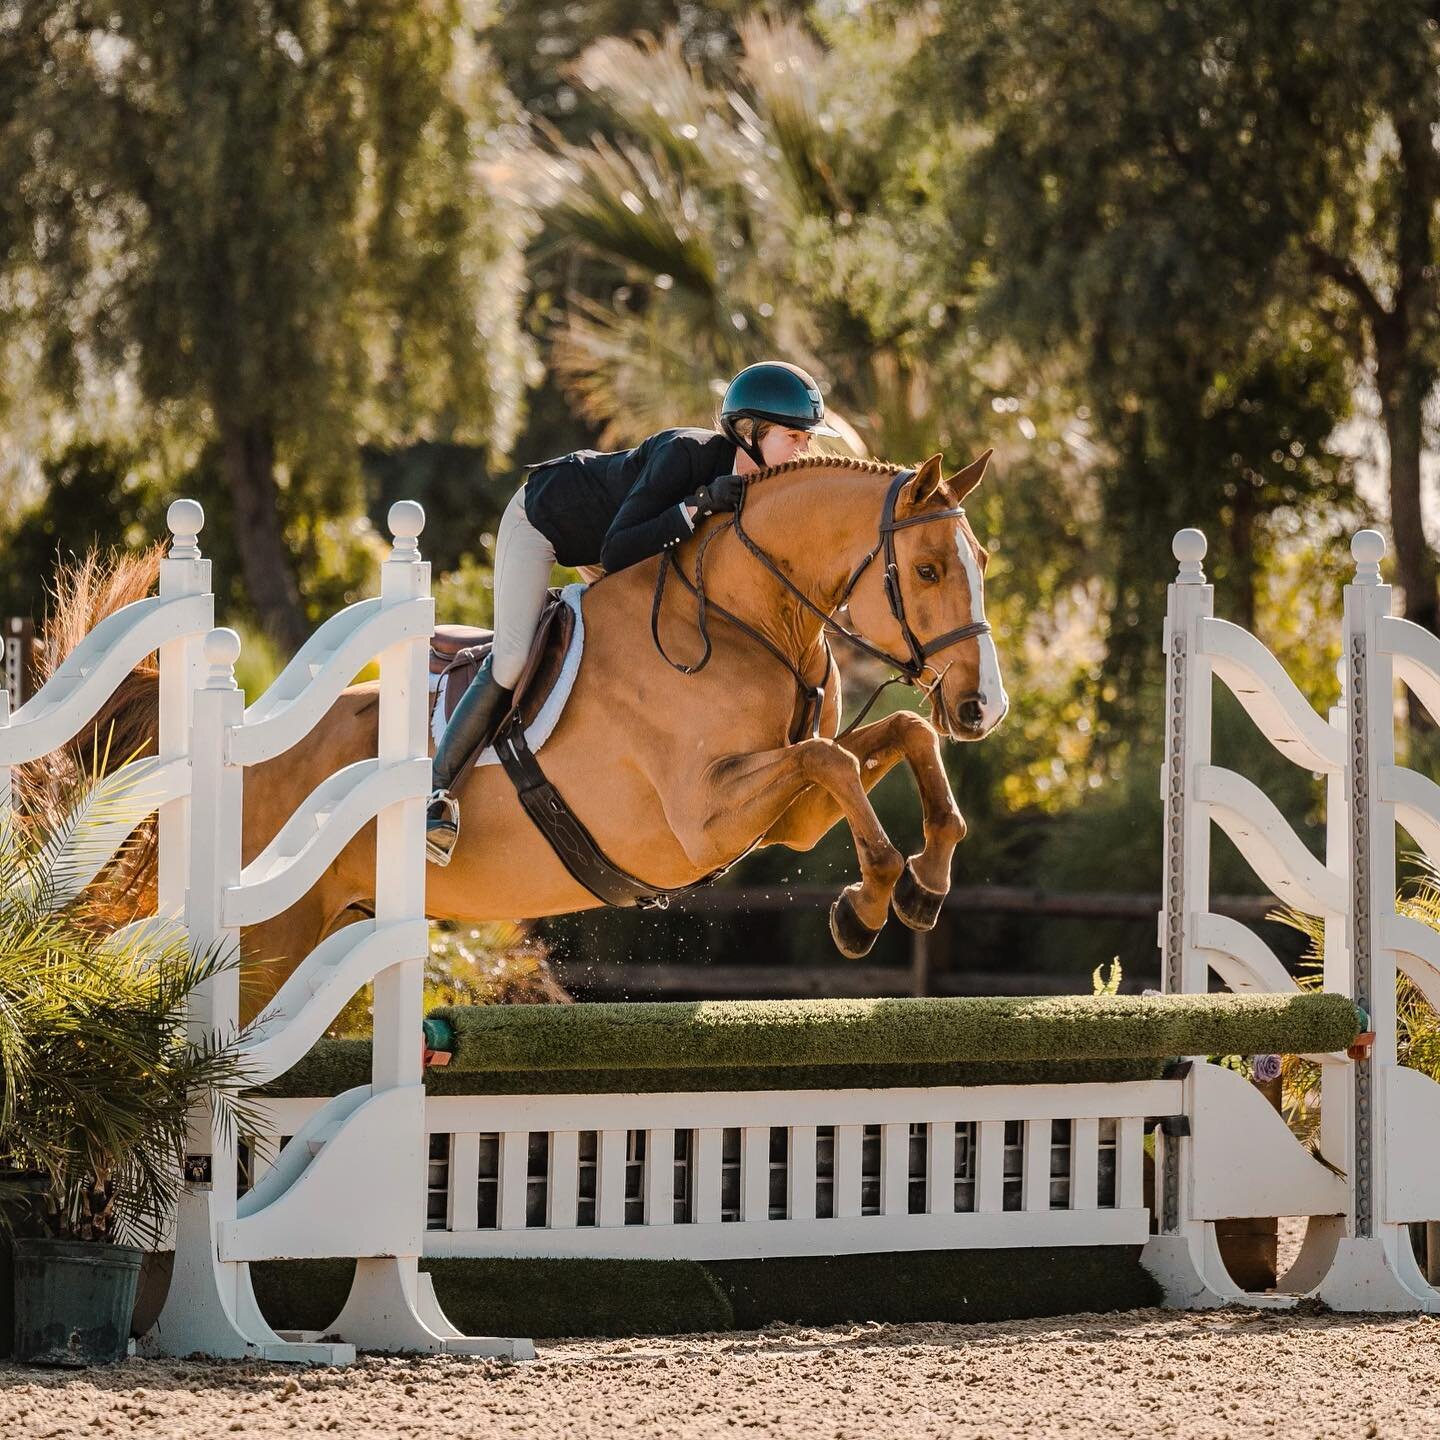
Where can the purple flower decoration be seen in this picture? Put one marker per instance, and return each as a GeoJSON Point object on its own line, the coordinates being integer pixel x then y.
{"type": "Point", "coordinates": [1265, 1067]}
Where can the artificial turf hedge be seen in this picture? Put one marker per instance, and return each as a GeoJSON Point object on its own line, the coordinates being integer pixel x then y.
{"type": "Point", "coordinates": [549, 1299]}
{"type": "Point", "coordinates": [829, 1044]}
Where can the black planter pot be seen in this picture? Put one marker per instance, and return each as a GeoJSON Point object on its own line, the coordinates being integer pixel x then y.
{"type": "Point", "coordinates": [73, 1301]}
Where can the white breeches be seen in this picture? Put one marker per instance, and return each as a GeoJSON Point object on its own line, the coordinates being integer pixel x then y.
{"type": "Point", "coordinates": [524, 559]}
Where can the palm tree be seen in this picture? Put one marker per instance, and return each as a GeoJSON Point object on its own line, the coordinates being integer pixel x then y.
{"type": "Point", "coordinates": [97, 1074]}
{"type": "Point", "coordinates": [728, 220]}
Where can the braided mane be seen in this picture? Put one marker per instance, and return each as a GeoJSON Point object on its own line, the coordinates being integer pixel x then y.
{"type": "Point", "coordinates": [828, 462]}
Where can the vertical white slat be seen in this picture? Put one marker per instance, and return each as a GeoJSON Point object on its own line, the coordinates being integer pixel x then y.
{"type": "Point", "coordinates": [1085, 1164]}
{"type": "Point", "coordinates": [800, 1181]}
{"type": "Point", "coordinates": [1189, 682]}
{"type": "Point", "coordinates": [403, 736]}
{"type": "Point", "coordinates": [514, 1158]}
{"type": "Point", "coordinates": [990, 1168]}
{"type": "Point", "coordinates": [1130, 1163]}
{"type": "Point", "coordinates": [660, 1177]}
{"type": "Point", "coordinates": [755, 1173]}
{"type": "Point", "coordinates": [894, 1169]}
{"type": "Point", "coordinates": [182, 573]}
{"type": "Point", "coordinates": [849, 1157]}
{"type": "Point", "coordinates": [1035, 1184]}
{"type": "Point", "coordinates": [705, 1175]}
{"type": "Point", "coordinates": [940, 1168]}
{"type": "Point", "coordinates": [462, 1208]}
{"type": "Point", "coordinates": [610, 1178]}
{"type": "Point", "coordinates": [564, 1188]}
{"type": "Point", "coordinates": [213, 868]}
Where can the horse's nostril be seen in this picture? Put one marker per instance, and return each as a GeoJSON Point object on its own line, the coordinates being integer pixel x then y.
{"type": "Point", "coordinates": [971, 715]}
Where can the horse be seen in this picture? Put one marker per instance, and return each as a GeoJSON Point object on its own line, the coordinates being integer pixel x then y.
{"type": "Point", "coordinates": [678, 770]}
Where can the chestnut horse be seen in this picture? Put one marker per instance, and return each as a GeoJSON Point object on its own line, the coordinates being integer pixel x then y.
{"type": "Point", "coordinates": [677, 775]}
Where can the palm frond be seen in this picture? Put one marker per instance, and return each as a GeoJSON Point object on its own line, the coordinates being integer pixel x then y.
{"type": "Point", "coordinates": [635, 209]}
{"type": "Point", "coordinates": [785, 69]}
{"type": "Point", "coordinates": [93, 831]}
{"type": "Point", "coordinates": [659, 95]}
{"type": "Point", "coordinates": [100, 1076]}
{"type": "Point", "coordinates": [635, 372]}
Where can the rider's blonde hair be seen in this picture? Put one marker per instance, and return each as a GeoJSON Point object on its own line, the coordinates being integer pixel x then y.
{"type": "Point", "coordinates": [757, 430]}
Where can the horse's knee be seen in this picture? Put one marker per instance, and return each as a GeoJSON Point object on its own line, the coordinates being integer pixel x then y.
{"type": "Point", "coordinates": [950, 828]}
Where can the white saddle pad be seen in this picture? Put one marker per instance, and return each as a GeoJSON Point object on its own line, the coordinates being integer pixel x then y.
{"type": "Point", "coordinates": [543, 726]}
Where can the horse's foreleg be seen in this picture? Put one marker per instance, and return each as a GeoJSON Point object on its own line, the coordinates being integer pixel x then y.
{"type": "Point", "coordinates": [746, 795]}
{"type": "Point", "coordinates": [878, 748]}
{"type": "Point", "coordinates": [922, 889]}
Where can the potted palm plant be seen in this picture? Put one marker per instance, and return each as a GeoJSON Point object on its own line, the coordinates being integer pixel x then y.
{"type": "Point", "coordinates": [97, 1076]}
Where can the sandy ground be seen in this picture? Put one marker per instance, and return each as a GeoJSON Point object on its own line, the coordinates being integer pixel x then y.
{"type": "Point", "coordinates": [1148, 1373]}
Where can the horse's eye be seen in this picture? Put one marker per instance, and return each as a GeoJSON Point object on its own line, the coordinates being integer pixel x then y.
{"type": "Point", "coordinates": [927, 572]}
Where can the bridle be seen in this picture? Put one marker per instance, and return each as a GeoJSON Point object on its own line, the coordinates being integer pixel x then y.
{"type": "Point", "coordinates": [911, 669]}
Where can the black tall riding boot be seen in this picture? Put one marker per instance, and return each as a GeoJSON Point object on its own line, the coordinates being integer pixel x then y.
{"type": "Point", "coordinates": [471, 728]}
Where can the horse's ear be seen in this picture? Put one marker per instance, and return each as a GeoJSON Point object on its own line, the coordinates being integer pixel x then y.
{"type": "Point", "coordinates": [926, 483]}
{"type": "Point", "coordinates": [963, 483]}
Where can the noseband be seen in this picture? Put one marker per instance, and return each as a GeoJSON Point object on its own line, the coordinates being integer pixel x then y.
{"type": "Point", "coordinates": [911, 669]}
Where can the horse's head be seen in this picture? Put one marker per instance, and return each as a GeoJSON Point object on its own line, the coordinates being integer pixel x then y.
{"type": "Point", "coordinates": [938, 590]}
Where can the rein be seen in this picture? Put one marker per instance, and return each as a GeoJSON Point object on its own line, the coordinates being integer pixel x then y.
{"type": "Point", "coordinates": [911, 669]}
{"type": "Point", "coordinates": [807, 724]}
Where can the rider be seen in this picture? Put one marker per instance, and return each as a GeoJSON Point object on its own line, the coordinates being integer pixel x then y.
{"type": "Point", "coordinates": [613, 510]}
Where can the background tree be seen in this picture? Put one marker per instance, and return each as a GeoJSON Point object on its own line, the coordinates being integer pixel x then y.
{"type": "Point", "coordinates": [275, 217]}
{"type": "Point", "coordinates": [1187, 195]}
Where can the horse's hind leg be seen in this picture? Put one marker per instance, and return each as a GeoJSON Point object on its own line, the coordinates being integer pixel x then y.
{"type": "Point", "coordinates": [878, 748]}
{"type": "Point", "coordinates": [748, 794]}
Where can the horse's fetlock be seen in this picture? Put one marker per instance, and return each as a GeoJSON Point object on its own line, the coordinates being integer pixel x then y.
{"type": "Point", "coordinates": [886, 865]}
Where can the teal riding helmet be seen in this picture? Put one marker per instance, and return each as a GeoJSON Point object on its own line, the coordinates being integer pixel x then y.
{"type": "Point", "coordinates": [772, 390]}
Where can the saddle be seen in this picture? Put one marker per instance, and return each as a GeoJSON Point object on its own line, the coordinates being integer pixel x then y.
{"type": "Point", "coordinates": [457, 651]}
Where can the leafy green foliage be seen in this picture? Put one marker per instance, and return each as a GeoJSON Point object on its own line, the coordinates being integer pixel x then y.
{"type": "Point", "coordinates": [98, 1073]}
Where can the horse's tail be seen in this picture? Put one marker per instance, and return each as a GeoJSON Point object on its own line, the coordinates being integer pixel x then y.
{"type": "Point", "coordinates": [83, 593]}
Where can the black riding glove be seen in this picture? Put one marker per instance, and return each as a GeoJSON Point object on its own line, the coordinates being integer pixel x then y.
{"type": "Point", "coordinates": [722, 493]}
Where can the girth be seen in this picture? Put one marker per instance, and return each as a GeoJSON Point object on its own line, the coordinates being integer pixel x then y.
{"type": "Point", "coordinates": [572, 843]}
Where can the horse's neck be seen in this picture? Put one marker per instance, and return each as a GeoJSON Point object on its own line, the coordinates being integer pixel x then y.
{"type": "Point", "coordinates": [815, 527]}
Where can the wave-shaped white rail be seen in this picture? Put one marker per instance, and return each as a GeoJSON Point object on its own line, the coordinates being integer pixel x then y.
{"type": "Point", "coordinates": [292, 1162]}
{"type": "Point", "coordinates": [90, 674]}
{"type": "Point", "coordinates": [1264, 837]}
{"type": "Point", "coordinates": [1416, 654]}
{"type": "Point", "coordinates": [355, 1193]}
{"type": "Point", "coordinates": [1240, 957]}
{"type": "Point", "coordinates": [1417, 948]}
{"type": "Point", "coordinates": [323, 824]}
{"type": "Point", "coordinates": [328, 661]}
{"type": "Point", "coordinates": [310, 999]}
{"type": "Point", "coordinates": [1417, 806]}
{"type": "Point", "coordinates": [1271, 699]}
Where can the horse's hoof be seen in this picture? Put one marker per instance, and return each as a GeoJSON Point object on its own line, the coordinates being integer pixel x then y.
{"type": "Point", "coordinates": [853, 938]}
{"type": "Point", "coordinates": [915, 904]}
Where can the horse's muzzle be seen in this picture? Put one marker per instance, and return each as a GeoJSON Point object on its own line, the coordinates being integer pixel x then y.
{"type": "Point", "coordinates": [975, 717]}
